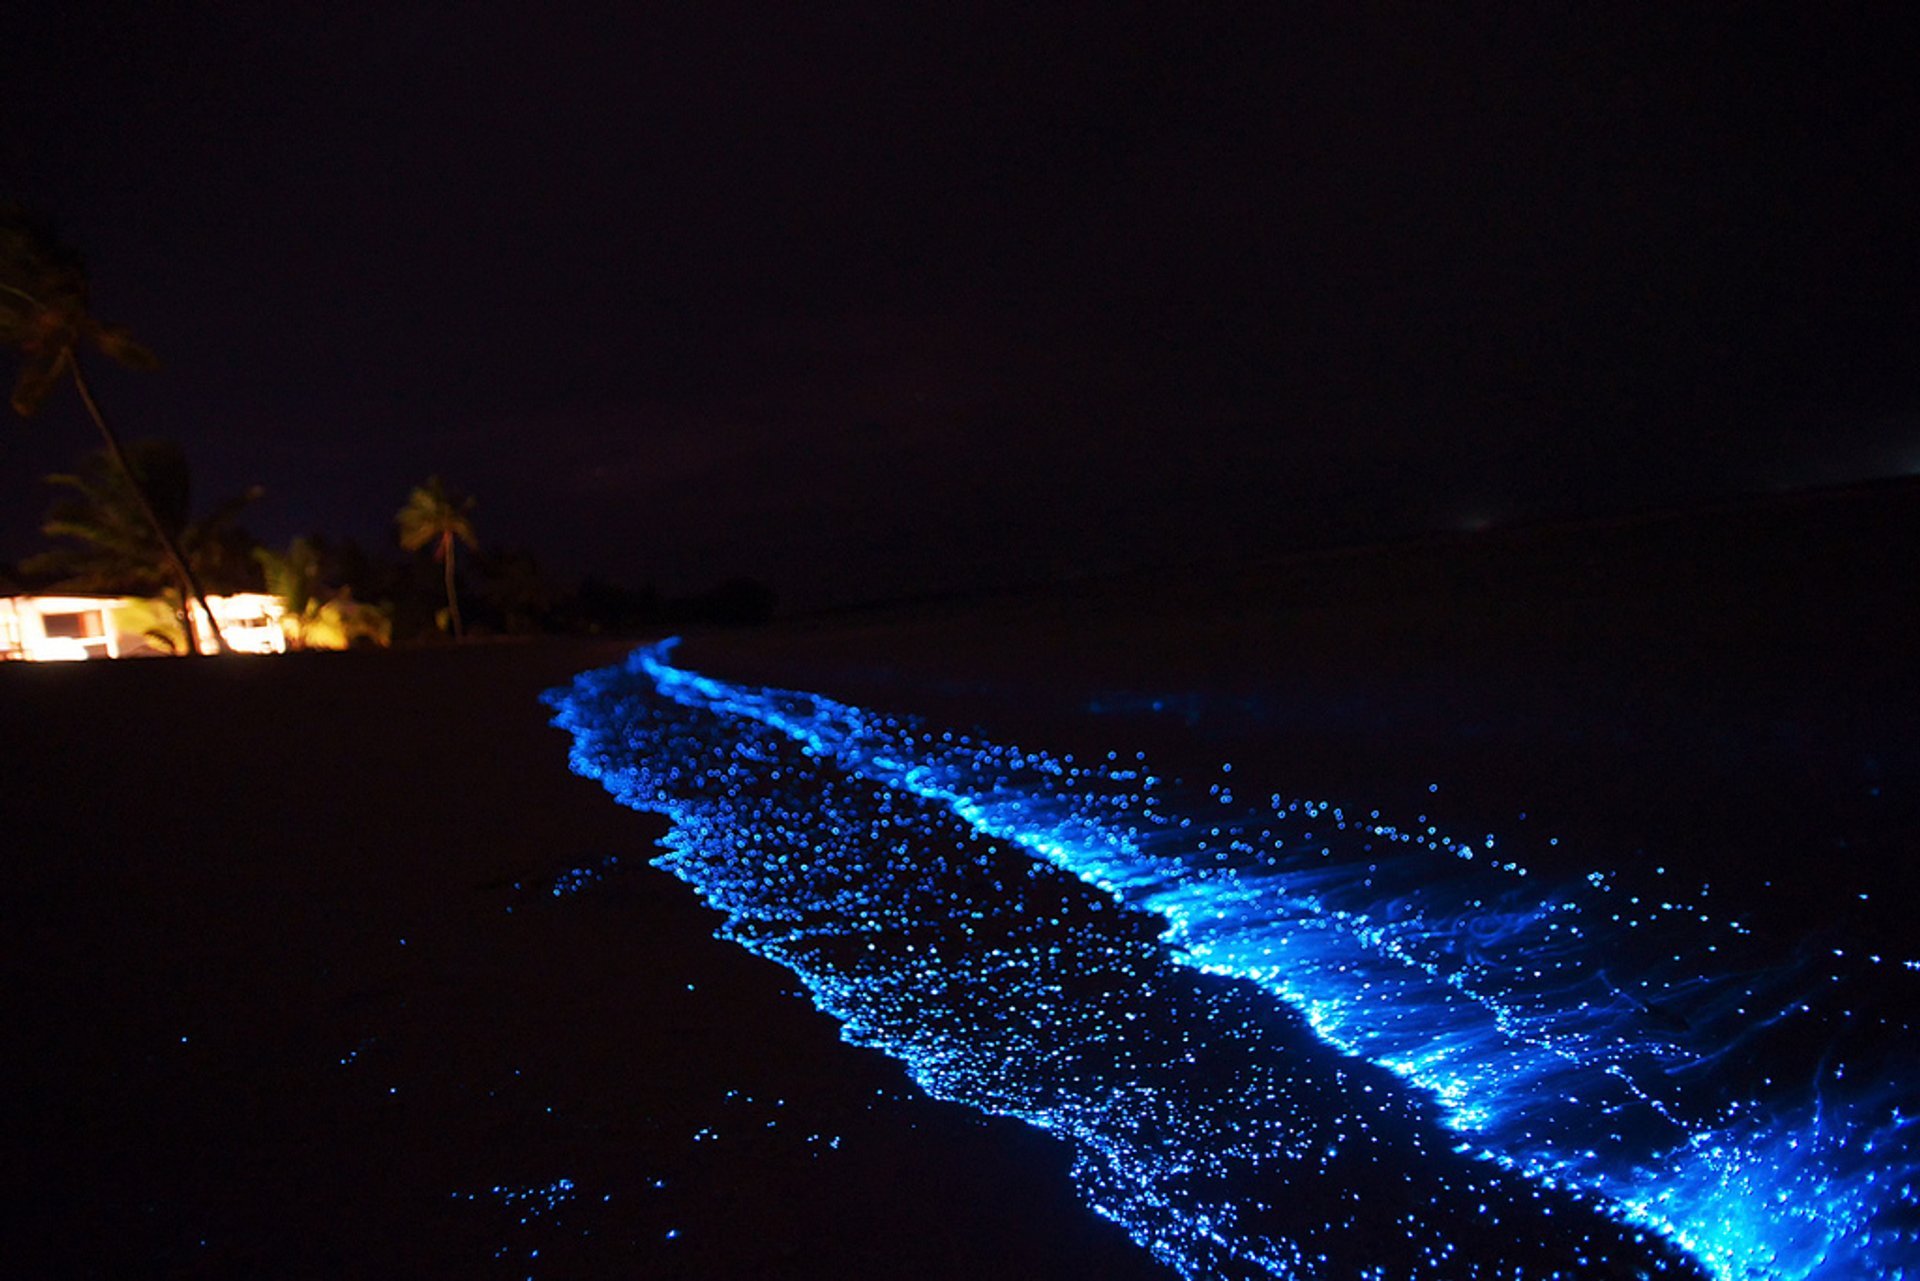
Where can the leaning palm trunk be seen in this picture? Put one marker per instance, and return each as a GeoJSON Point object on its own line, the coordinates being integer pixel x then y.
{"type": "Point", "coordinates": [189, 585]}
{"type": "Point", "coordinates": [453, 599]}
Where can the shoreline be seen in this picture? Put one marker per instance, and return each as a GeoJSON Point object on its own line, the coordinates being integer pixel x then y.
{"type": "Point", "coordinates": [232, 851]}
{"type": "Point", "coordinates": [297, 999]}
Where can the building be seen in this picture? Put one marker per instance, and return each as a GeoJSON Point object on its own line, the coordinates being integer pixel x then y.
{"type": "Point", "coordinates": [70, 628]}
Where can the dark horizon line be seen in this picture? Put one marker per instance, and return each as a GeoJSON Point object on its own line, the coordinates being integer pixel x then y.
{"type": "Point", "coordinates": [1605, 519]}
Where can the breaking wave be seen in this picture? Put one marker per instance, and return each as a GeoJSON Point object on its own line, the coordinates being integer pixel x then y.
{"type": "Point", "coordinates": [1282, 1037]}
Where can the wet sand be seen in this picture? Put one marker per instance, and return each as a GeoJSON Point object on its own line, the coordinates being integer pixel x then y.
{"type": "Point", "coordinates": [288, 995]}
{"type": "Point", "coordinates": [288, 992]}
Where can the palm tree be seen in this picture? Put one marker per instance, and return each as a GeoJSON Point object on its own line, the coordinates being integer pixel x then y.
{"type": "Point", "coordinates": [45, 317]}
{"type": "Point", "coordinates": [113, 521]}
{"type": "Point", "coordinates": [318, 616]}
{"type": "Point", "coordinates": [433, 516]}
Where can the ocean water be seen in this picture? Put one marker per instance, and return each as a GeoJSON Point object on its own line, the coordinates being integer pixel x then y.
{"type": "Point", "coordinates": [1286, 1036]}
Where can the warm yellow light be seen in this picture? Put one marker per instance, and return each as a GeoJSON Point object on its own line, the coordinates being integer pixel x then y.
{"type": "Point", "coordinates": [52, 629]}
{"type": "Point", "coordinates": [57, 629]}
{"type": "Point", "coordinates": [250, 622]}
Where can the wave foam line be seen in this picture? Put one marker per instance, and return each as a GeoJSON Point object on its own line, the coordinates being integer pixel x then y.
{"type": "Point", "coordinates": [1609, 1042]}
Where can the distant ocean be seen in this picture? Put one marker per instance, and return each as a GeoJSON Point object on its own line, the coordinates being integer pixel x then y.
{"type": "Point", "coordinates": [1290, 1036]}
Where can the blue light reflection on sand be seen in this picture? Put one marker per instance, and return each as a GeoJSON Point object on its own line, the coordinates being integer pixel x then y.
{"type": "Point", "coordinates": [1503, 1078]}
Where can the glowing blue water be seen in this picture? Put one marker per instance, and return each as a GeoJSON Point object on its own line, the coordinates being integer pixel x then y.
{"type": "Point", "coordinates": [1285, 1038]}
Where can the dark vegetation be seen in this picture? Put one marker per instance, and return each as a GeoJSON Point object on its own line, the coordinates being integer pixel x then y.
{"type": "Point", "coordinates": [124, 522]}
{"type": "Point", "coordinates": [46, 318]}
{"type": "Point", "coordinates": [99, 543]}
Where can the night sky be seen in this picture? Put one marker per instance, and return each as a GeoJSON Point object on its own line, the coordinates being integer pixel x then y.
{"type": "Point", "coordinates": [895, 301]}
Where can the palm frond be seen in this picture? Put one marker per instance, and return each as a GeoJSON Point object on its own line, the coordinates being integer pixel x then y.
{"type": "Point", "coordinates": [111, 545]}
{"type": "Point", "coordinates": [39, 374]}
{"type": "Point", "coordinates": [119, 344]}
{"type": "Point", "coordinates": [44, 309]}
{"type": "Point", "coordinates": [431, 514]}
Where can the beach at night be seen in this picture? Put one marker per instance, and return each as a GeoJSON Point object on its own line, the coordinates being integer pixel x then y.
{"type": "Point", "coordinates": [984, 641]}
{"type": "Point", "coordinates": [327, 964]}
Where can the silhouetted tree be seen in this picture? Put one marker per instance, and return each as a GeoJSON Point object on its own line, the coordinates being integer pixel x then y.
{"type": "Point", "coordinates": [433, 517]}
{"type": "Point", "coordinates": [516, 591]}
{"type": "Point", "coordinates": [45, 317]}
{"type": "Point", "coordinates": [599, 607]}
{"type": "Point", "coordinates": [127, 526]}
{"type": "Point", "coordinates": [317, 614]}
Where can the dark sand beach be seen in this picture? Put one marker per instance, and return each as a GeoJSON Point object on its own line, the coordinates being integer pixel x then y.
{"type": "Point", "coordinates": [289, 993]}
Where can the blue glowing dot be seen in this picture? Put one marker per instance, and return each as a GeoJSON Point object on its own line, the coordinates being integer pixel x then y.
{"type": "Point", "coordinates": [1362, 1052]}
